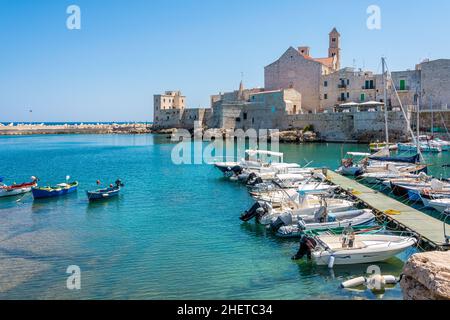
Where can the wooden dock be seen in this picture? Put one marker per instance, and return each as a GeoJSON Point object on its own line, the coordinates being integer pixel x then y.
{"type": "Point", "coordinates": [429, 230]}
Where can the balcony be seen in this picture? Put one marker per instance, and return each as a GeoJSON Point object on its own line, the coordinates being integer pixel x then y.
{"type": "Point", "coordinates": [342, 86]}
{"type": "Point", "coordinates": [341, 99]}
{"type": "Point", "coordinates": [402, 88]}
{"type": "Point", "coordinates": [368, 87]}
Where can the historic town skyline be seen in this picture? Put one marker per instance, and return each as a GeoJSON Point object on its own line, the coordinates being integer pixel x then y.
{"type": "Point", "coordinates": [109, 70]}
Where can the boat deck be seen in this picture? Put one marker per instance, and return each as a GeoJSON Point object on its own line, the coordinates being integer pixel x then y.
{"type": "Point", "coordinates": [429, 229]}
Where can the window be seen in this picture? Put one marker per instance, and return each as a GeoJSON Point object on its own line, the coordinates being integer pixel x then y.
{"type": "Point", "coordinates": [363, 97]}
{"type": "Point", "coordinates": [333, 40]}
{"type": "Point", "coordinates": [348, 82]}
{"type": "Point", "coordinates": [348, 94]}
{"type": "Point", "coordinates": [325, 96]}
{"type": "Point", "coordinates": [253, 120]}
{"type": "Point", "coordinates": [238, 119]}
{"type": "Point", "coordinates": [245, 115]}
{"type": "Point", "coordinates": [403, 84]}
{"type": "Point", "coordinates": [325, 83]}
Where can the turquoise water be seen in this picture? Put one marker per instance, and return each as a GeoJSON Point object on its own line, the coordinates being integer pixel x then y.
{"type": "Point", "coordinates": [173, 233]}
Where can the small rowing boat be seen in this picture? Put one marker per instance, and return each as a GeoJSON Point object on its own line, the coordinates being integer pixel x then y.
{"type": "Point", "coordinates": [106, 193]}
{"type": "Point", "coordinates": [54, 191]}
{"type": "Point", "coordinates": [16, 189]}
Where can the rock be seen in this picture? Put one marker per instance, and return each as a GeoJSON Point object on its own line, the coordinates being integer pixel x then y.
{"type": "Point", "coordinates": [426, 276]}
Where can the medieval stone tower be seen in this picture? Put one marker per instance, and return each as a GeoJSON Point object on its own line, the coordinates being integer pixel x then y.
{"type": "Point", "coordinates": [335, 47]}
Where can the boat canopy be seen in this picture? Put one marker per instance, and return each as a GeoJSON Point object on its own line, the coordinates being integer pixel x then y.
{"type": "Point", "coordinates": [359, 154]}
{"type": "Point", "coordinates": [290, 176]}
{"type": "Point", "coordinates": [372, 103]}
{"type": "Point", "coordinates": [264, 152]}
{"type": "Point", "coordinates": [413, 159]}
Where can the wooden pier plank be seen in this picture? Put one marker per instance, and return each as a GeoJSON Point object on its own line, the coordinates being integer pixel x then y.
{"type": "Point", "coordinates": [422, 224]}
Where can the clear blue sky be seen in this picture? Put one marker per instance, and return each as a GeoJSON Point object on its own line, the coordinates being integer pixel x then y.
{"type": "Point", "coordinates": [127, 50]}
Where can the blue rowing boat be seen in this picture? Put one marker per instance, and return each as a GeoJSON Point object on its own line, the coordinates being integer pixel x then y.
{"type": "Point", "coordinates": [55, 191]}
{"type": "Point", "coordinates": [107, 193]}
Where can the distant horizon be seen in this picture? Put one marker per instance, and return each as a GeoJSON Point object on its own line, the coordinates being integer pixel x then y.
{"type": "Point", "coordinates": [127, 51]}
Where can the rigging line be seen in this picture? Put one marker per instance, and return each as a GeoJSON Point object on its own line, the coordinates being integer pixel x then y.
{"type": "Point", "coordinates": [404, 113]}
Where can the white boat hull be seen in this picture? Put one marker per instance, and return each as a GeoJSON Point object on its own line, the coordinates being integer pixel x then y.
{"type": "Point", "coordinates": [14, 192]}
{"type": "Point", "coordinates": [367, 249]}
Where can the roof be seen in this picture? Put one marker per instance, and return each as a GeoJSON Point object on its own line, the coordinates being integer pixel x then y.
{"type": "Point", "coordinates": [334, 31]}
{"type": "Point", "coordinates": [328, 62]}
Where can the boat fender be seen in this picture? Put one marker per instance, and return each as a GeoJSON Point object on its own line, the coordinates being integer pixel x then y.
{"type": "Point", "coordinates": [331, 262]}
{"type": "Point", "coordinates": [356, 282]}
{"type": "Point", "coordinates": [390, 279]}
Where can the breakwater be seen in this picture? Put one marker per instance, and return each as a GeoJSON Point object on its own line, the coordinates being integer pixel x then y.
{"type": "Point", "coordinates": [101, 128]}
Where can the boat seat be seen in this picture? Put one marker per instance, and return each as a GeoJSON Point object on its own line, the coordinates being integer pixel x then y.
{"type": "Point", "coordinates": [334, 243]}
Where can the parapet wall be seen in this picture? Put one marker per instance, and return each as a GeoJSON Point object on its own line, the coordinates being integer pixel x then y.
{"type": "Point", "coordinates": [357, 126]}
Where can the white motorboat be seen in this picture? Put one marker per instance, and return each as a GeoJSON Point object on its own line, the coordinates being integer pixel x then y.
{"type": "Point", "coordinates": [445, 145]}
{"type": "Point", "coordinates": [440, 205]}
{"type": "Point", "coordinates": [334, 250]}
{"type": "Point", "coordinates": [266, 213]}
{"type": "Point", "coordinates": [280, 195]}
{"type": "Point", "coordinates": [259, 161]}
{"type": "Point", "coordinates": [285, 229]}
{"type": "Point", "coordinates": [424, 147]}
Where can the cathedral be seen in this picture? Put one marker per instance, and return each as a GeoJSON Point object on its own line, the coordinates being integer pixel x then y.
{"type": "Point", "coordinates": [298, 70]}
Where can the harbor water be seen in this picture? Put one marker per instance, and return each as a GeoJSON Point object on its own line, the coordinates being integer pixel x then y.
{"type": "Point", "coordinates": [173, 233]}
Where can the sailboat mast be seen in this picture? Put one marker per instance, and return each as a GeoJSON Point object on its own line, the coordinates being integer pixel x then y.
{"type": "Point", "coordinates": [418, 125]}
{"type": "Point", "coordinates": [385, 102]}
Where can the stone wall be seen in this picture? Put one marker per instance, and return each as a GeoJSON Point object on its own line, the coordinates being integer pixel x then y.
{"type": "Point", "coordinates": [441, 121]}
{"type": "Point", "coordinates": [435, 83]}
{"type": "Point", "coordinates": [357, 126]}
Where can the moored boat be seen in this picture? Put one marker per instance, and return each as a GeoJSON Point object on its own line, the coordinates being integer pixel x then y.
{"type": "Point", "coordinates": [54, 191]}
{"type": "Point", "coordinates": [16, 189]}
{"type": "Point", "coordinates": [366, 248]}
{"type": "Point", "coordinates": [285, 229]}
{"type": "Point", "coordinates": [105, 193]}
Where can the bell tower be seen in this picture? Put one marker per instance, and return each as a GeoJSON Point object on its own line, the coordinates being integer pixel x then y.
{"type": "Point", "coordinates": [334, 49]}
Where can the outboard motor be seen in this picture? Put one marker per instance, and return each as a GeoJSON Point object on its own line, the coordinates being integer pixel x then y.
{"type": "Point", "coordinates": [283, 220]}
{"type": "Point", "coordinates": [237, 170]}
{"type": "Point", "coordinates": [307, 245]}
{"type": "Point", "coordinates": [119, 183]}
{"type": "Point", "coordinates": [253, 179]}
{"type": "Point", "coordinates": [256, 210]}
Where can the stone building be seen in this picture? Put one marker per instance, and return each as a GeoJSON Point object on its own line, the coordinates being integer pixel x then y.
{"type": "Point", "coordinates": [169, 111]}
{"type": "Point", "coordinates": [254, 108]}
{"type": "Point", "coordinates": [298, 70]}
{"type": "Point", "coordinates": [168, 108]}
{"type": "Point", "coordinates": [348, 85]}
{"type": "Point", "coordinates": [428, 84]}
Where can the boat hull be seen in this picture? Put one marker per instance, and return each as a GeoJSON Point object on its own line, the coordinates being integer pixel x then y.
{"type": "Point", "coordinates": [377, 253]}
{"type": "Point", "coordinates": [42, 193]}
{"type": "Point", "coordinates": [14, 192]}
{"type": "Point", "coordinates": [102, 194]}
